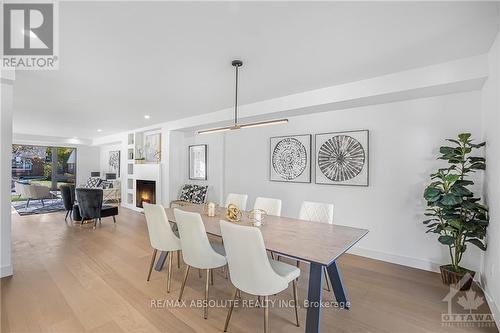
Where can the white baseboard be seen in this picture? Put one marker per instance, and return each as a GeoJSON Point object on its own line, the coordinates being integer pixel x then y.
{"type": "Point", "coordinates": [6, 271]}
{"type": "Point", "coordinates": [396, 259]}
{"type": "Point", "coordinates": [492, 304]}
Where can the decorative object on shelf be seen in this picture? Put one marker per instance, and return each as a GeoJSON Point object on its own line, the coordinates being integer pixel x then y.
{"type": "Point", "coordinates": [152, 147]}
{"type": "Point", "coordinates": [198, 162]}
{"type": "Point", "coordinates": [257, 216]}
{"type": "Point", "coordinates": [233, 213]}
{"type": "Point", "coordinates": [342, 158]}
{"type": "Point", "coordinates": [210, 209]}
{"type": "Point", "coordinates": [140, 160]}
{"type": "Point", "coordinates": [453, 212]}
{"type": "Point", "coordinates": [237, 64]}
{"type": "Point", "coordinates": [114, 162]}
{"type": "Point", "coordinates": [290, 159]}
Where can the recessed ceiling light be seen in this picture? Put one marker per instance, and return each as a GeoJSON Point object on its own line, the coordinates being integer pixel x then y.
{"type": "Point", "coordinates": [99, 130]}
{"type": "Point", "coordinates": [147, 116]}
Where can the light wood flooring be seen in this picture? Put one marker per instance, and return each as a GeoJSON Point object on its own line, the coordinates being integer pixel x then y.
{"type": "Point", "coordinates": [70, 278]}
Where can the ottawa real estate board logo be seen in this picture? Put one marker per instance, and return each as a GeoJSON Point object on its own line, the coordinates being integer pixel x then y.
{"type": "Point", "coordinates": [30, 35]}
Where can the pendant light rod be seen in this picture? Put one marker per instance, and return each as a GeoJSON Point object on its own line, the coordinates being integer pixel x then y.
{"type": "Point", "coordinates": [236, 64]}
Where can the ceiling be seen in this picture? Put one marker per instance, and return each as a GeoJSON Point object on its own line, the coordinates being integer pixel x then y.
{"type": "Point", "coordinates": [122, 60]}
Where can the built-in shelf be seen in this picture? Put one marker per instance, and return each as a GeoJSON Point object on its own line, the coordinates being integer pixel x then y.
{"type": "Point", "coordinates": [130, 184]}
{"type": "Point", "coordinates": [130, 169]}
{"type": "Point", "coordinates": [130, 154]}
{"type": "Point", "coordinates": [130, 198]}
{"type": "Point", "coordinates": [131, 139]}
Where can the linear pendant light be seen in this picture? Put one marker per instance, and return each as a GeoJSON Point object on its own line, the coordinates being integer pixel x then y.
{"type": "Point", "coordinates": [237, 64]}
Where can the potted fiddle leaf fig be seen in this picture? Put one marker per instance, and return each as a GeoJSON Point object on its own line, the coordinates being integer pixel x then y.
{"type": "Point", "coordinates": [454, 212]}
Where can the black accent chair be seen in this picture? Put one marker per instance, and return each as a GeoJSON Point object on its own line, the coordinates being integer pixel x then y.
{"type": "Point", "coordinates": [89, 206]}
{"type": "Point", "coordinates": [68, 199]}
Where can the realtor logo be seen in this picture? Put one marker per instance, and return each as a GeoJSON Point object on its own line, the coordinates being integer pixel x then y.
{"type": "Point", "coordinates": [30, 35]}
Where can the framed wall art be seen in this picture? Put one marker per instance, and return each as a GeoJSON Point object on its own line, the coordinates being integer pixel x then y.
{"type": "Point", "coordinates": [290, 158]}
{"type": "Point", "coordinates": [342, 158]}
{"type": "Point", "coordinates": [198, 162]}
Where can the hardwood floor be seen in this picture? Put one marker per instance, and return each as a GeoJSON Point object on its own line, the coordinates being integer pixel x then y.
{"type": "Point", "coordinates": [74, 279]}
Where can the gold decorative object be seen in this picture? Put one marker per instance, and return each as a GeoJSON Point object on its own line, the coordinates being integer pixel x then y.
{"type": "Point", "coordinates": [210, 209]}
{"type": "Point", "coordinates": [233, 213]}
{"type": "Point", "coordinates": [257, 216]}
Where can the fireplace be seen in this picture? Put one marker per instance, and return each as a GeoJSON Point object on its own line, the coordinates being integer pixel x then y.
{"type": "Point", "coordinates": [145, 192]}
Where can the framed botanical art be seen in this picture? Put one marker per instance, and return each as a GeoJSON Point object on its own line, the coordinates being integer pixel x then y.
{"type": "Point", "coordinates": [114, 162]}
{"type": "Point", "coordinates": [198, 162]}
{"type": "Point", "coordinates": [290, 159]}
{"type": "Point", "coordinates": [342, 158]}
{"type": "Point", "coordinates": [152, 147]}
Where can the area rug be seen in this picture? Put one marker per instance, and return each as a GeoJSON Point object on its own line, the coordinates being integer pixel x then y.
{"type": "Point", "coordinates": [36, 207]}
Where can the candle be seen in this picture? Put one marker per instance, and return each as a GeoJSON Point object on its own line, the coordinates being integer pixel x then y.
{"type": "Point", "coordinates": [211, 209]}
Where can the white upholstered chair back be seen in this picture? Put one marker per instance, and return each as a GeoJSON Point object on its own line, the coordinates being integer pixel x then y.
{"type": "Point", "coordinates": [161, 235]}
{"type": "Point", "coordinates": [240, 200]}
{"type": "Point", "coordinates": [249, 267]}
{"type": "Point", "coordinates": [269, 205]}
{"type": "Point", "coordinates": [196, 249]}
{"type": "Point", "coordinates": [317, 212]}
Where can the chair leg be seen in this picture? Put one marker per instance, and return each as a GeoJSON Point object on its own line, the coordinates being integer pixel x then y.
{"type": "Point", "coordinates": [43, 204]}
{"type": "Point", "coordinates": [184, 282]}
{"type": "Point", "coordinates": [231, 307]}
{"type": "Point", "coordinates": [95, 224]}
{"type": "Point", "coordinates": [114, 219]}
{"type": "Point", "coordinates": [66, 217]}
{"type": "Point", "coordinates": [295, 302]}
{"type": "Point", "coordinates": [211, 277]}
{"type": "Point", "coordinates": [298, 266]}
{"type": "Point", "coordinates": [199, 273]}
{"type": "Point", "coordinates": [27, 202]}
{"type": "Point", "coordinates": [155, 251]}
{"type": "Point", "coordinates": [266, 314]}
{"type": "Point", "coordinates": [207, 284]}
{"type": "Point", "coordinates": [226, 272]}
{"type": "Point", "coordinates": [326, 279]}
{"type": "Point", "coordinates": [169, 272]}
{"type": "Point", "coordinates": [272, 255]}
{"type": "Point", "coordinates": [239, 294]}
{"type": "Point", "coordinates": [178, 258]}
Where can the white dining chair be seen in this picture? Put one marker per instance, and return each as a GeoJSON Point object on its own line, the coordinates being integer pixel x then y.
{"type": "Point", "coordinates": [251, 271]}
{"type": "Point", "coordinates": [240, 200]}
{"type": "Point", "coordinates": [317, 212]}
{"type": "Point", "coordinates": [161, 236]}
{"type": "Point", "coordinates": [197, 250]}
{"type": "Point", "coordinates": [269, 205]}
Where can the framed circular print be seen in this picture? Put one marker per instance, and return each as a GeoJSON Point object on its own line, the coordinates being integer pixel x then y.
{"type": "Point", "coordinates": [290, 158]}
{"type": "Point", "coordinates": [342, 158]}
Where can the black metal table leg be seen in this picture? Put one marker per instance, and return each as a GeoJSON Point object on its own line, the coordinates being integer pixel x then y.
{"type": "Point", "coordinates": [161, 261]}
{"type": "Point", "coordinates": [338, 286]}
{"type": "Point", "coordinates": [314, 296]}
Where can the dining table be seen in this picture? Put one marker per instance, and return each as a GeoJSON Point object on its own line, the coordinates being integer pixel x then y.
{"type": "Point", "coordinates": [316, 243]}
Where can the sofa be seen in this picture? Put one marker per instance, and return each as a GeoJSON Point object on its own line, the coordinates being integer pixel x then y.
{"type": "Point", "coordinates": [111, 189]}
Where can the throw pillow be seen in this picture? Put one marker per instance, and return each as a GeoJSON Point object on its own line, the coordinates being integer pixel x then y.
{"type": "Point", "coordinates": [93, 182]}
{"type": "Point", "coordinates": [199, 194]}
{"type": "Point", "coordinates": [186, 192]}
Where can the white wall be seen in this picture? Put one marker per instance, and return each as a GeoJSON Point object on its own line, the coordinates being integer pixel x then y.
{"type": "Point", "coordinates": [179, 172]}
{"type": "Point", "coordinates": [6, 97]}
{"type": "Point", "coordinates": [87, 160]}
{"type": "Point", "coordinates": [491, 108]}
{"type": "Point", "coordinates": [404, 141]}
{"type": "Point", "coordinates": [104, 157]}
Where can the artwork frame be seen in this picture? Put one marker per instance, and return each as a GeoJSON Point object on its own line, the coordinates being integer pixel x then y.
{"type": "Point", "coordinates": [152, 147]}
{"type": "Point", "coordinates": [328, 172]}
{"type": "Point", "coordinates": [281, 150]}
{"type": "Point", "coordinates": [114, 162]}
{"type": "Point", "coordinates": [198, 162]}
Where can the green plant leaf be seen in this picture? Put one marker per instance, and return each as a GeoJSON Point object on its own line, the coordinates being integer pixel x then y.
{"type": "Point", "coordinates": [432, 194]}
{"type": "Point", "coordinates": [450, 200]}
{"type": "Point", "coordinates": [446, 240]}
{"type": "Point", "coordinates": [464, 137]}
{"type": "Point", "coordinates": [477, 242]}
{"type": "Point", "coordinates": [460, 191]}
{"type": "Point", "coordinates": [479, 145]}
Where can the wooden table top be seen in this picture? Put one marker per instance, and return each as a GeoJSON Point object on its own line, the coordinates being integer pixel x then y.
{"type": "Point", "coordinates": [316, 242]}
